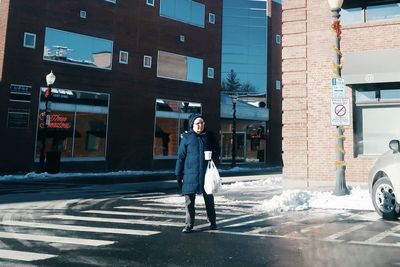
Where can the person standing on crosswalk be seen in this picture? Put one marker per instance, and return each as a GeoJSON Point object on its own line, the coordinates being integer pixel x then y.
{"type": "Point", "coordinates": [191, 167]}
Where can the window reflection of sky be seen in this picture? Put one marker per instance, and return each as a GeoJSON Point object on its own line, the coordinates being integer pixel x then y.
{"type": "Point", "coordinates": [78, 47]}
{"type": "Point", "coordinates": [372, 13]}
{"type": "Point", "coordinates": [183, 10]}
{"type": "Point", "coordinates": [244, 34]}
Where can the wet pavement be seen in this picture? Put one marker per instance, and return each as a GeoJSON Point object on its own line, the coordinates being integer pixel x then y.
{"type": "Point", "coordinates": [139, 224]}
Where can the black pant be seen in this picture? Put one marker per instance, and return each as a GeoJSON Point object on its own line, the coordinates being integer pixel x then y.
{"type": "Point", "coordinates": [190, 209]}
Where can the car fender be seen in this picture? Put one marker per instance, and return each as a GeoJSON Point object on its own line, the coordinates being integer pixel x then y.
{"type": "Point", "coordinates": [393, 172]}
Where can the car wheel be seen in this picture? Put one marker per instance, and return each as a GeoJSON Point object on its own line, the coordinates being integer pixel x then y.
{"type": "Point", "coordinates": [384, 199]}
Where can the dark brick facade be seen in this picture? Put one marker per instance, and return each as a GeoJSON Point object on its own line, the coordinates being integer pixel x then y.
{"type": "Point", "coordinates": [134, 27]}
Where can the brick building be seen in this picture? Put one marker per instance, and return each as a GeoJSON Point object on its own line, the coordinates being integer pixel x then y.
{"type": "Point", "coordinates": [128, 74]}
{"type": "Point", "coordinates": [370, 51]}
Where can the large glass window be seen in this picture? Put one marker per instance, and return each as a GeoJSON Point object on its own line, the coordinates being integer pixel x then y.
{"type": "Point", "coordinates": [382, 12]}
{"type": "Point", "coordinates": [73, 48]}
{"type": "Point", "coordinates": [352, 15]}
{"type": "Point", "coordinates": [244, 42]}
{"type": "Point", "coordinates": [250, 141]}
{"type": "Point", "coordinates": [368, 13]}
{"type": "Point", "coordinates": [76, 124]}
{"type": "Point", "coordinates": [170, 122]}
{"type": "Point", "coordinates": [174, 66]}
{"type": "Point", "coordinates": [372, 133]}
{"type": "Point", "coordinates": [187, 11]}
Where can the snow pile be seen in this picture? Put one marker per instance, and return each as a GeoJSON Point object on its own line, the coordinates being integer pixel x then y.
{"type": "Point", "coordinates": [295, 200]}
{"type": "Point", "coordinates": [273, 182]}
{"type": "Point", "coordinates": [121, 173]}
{"type": "Point", "coordinates": [45, 175]}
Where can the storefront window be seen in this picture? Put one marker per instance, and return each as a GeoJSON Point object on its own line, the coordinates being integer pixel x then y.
{"type": "Point", "coordinates": [372, 134]}
{"type": "Point", "coordinates": [77, 125]}
{"type": "Point", "coordinates": [90, 135]}
{"type": "Point", "coordinates": [59, 133]}
{"type": "Point", "coordinates": [250, 141]}
{"type": "Point", "coordinates": [171, 121]}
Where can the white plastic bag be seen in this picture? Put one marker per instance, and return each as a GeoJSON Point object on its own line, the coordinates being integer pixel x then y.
{"type": "Point", "coordinates": [212, 180]}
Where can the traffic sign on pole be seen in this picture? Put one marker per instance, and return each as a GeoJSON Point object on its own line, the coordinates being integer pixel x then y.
{"type": "Point", "coordinates": [340, 111]}
{"type": "Point", "coordinates": [338, 88]}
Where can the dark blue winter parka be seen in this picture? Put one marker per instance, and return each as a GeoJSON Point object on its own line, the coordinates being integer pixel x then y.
{"type": "Point", "coordinates": [191, 164]}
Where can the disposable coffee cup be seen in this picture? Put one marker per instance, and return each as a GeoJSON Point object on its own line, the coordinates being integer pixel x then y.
{"type": "Point", "coordinates": [207, 155]}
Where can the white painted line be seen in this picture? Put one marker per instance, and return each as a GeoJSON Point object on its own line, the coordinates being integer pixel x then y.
{"type": "Point", "coordinates": [335, 236]}
{"type": "Point", "coordinates": [149, 197]}
{"type": "Point", "coordinates": [171, 210]}
{"type": "Point", "coordinates": [305, 230]}
{"type": "Point", "coordinates": [201, 226]}
{"type": "Point", "coordinates": [141, 214]}
{"type": "Point", "coordinates": [393, 245]}
{"type": "Point", "coordinates": [254, 221]}
{"type": "Point", "coordinates": [114, 220]}
{"type": "Point", "coordinates": [177, 209]}
{"type": "Point", "coordinates": [24, 256]}
{"type": "Point", "coordinates": [200, 203]}
{"type": "Point", "coordinates": [80, 228]}
{"type": "Point", "coordinates": [132, 196]}
{"type": "Point", "coordinates": [56, 239]}
{"type": "Point", "coordinates": [217, 207]}
{"type": "Point", "coordinates": [248, 234]}
{"type": "Point", "coordinates": [380, 236]}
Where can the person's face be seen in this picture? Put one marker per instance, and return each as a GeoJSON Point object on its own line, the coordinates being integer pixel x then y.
{"type": "Point", "coordinates": [198, 125]}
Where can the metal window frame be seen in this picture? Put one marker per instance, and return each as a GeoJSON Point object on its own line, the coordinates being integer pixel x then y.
{"type": "Point", "coordinates": [34, 40]}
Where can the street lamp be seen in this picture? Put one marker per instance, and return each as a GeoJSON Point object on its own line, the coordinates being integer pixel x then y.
{"type": "Point", "coordinates": [50, 79]}
{"type": "Point", "coordinates": [340, 187]}
{"type": "Point", "coordinates": [234, 100]}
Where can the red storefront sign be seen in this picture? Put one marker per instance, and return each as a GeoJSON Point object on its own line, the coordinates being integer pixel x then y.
{"type": "Point", "coordinates": [55, 121]}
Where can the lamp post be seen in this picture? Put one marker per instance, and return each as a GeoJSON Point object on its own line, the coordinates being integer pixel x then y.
{"type": "Point", "coordinates": [234, 100]}
{"type": "Point", "coordinates": [340, 187]}
{"type": "Point", "coordinates": [50, 79]}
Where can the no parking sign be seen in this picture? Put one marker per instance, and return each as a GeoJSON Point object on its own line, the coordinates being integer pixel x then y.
{"type": "Point", "coordinates": [340, 111]}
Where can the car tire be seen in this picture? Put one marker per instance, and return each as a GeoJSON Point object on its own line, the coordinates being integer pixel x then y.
{"type": "Point", "coordinates": [384, 199]}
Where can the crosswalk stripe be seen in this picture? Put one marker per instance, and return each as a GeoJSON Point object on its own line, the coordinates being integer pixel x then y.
{"type": "Point", "coordinates": [199, 202]}
{"type": "Point", "coordinates": [80, 228]}
{"type": "Point", "coordinates": [335, 236]}
{"type": "Point", "coordinates": [171, 210]}
{"type": "Point", "coordinates": [177, 209]}
{"type": "Point", "coordinates": [142, 214]}
{"type": "Point", "coordinates": [391, 232]}
{"type": "Point", "coordinates": [148, 197]}
{"type": "Point", "coordinates": [114, 220]}
{"type": "Point", "coordinates": [201, 226]}
{"type": "Point", "coordinates": [254, 221]}
{"type": "Point", "coordinates": [23, 256]}
{"type": "Point", "coordinates": [144, 194]}
{"type": "Point", "coordinates": [198, 206]}
{"type": "Point", "coordinates": [56, 239]}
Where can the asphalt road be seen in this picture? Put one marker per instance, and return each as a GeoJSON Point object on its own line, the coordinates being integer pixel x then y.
{"type": "Point", "coordinates": [140, 225]}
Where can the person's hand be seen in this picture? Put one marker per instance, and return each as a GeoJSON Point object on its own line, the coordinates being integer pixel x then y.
{"type": "Point", "coordinates": [179, 180]}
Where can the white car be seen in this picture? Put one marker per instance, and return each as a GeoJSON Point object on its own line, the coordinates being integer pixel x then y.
{"type": "Point", "coordinates": [384, 182]}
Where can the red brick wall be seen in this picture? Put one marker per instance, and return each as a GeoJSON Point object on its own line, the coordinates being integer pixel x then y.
{"type": "Point", "coordinates": [308, 137]}
{"type": "Point", "coordinates": [4, 4]}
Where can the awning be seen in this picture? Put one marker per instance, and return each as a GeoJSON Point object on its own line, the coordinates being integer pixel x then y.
{"type": "Point", "coordinates": [371, 67]}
